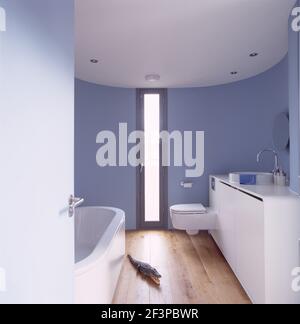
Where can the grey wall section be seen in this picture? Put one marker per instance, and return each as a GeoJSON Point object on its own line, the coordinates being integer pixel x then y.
{"type": "Point", "coordinates": [97, 109]}
{"type": "Point", "coordinates": [237, 120]}
{"type": "Point", "coordinates": [294, 106]}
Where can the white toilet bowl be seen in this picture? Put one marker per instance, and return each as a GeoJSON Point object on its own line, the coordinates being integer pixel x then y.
{"type": "Point", "coordinates": [193, 218]}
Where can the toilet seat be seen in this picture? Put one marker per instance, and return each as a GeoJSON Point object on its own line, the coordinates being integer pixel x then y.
{"type": "Point", "coordinates": [189, 209]}
{"type": "Point", "coordinates": [192, 218]}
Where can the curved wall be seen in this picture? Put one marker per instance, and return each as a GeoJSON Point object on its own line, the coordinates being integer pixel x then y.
{"type": "Point", "coordinates": [100, 108]}
{"type": "Point", "coordinates": [237, 120]}
{"type": "Point", "coordinates": [294, 104]}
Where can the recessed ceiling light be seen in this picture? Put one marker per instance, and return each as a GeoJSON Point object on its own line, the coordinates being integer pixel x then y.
{"type": "Point", "coordinates": [94, 61]}
{"type": "Point", "coordinates": [234, 73]}
{"type": "Point", "coordinates": [253, 54]}
{"type": "Point", "coordinates": [152, 77]}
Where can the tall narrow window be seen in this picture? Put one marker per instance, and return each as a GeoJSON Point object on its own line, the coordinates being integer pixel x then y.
{"type": "Point", "coordinates": [152, 157]}
{"type": "Point", "coordinates": [152, 198]}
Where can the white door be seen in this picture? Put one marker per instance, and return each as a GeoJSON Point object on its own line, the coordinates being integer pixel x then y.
{"type": "Point", "coordinates": [36, 152]}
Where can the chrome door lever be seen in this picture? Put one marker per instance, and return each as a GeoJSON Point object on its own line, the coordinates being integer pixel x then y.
{"type": "Point", "coordinates": [142, 166]}
{"type": "Point", "coordinates": [74, 203]}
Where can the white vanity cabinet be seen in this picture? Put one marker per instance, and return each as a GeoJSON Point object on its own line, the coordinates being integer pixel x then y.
{"type": "Point", "coordinates": [250, 247]}
{"type": "Point", "coordinates": [226, 224]}
{"type": "Point", "coordinates": [258, 232]}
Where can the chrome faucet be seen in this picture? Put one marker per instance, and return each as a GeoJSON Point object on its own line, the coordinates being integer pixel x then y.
{"type": "Point", "coordinates": [276, 166]}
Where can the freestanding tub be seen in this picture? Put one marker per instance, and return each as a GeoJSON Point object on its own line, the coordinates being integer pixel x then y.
{"type": "Point", "coordinates": [99, 253]}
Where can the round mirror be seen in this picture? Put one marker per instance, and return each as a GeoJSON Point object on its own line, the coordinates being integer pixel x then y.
{"type": "Point", "coordinates": [281, 132]}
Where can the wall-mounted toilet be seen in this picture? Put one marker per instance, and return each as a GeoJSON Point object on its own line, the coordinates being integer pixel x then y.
{"type": "Point", "coordinates": [193, 218]}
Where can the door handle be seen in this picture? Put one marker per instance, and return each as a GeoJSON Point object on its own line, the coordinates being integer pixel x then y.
{"type": "Point", "coordinates": [142, 167]}
{"type": "Point", "coordinates": [74, 203]}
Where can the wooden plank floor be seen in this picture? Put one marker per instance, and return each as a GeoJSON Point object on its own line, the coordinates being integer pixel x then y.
{"type": "Point", "coordinates": [193, 271]}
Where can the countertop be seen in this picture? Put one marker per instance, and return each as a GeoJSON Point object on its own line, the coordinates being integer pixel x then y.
{"type": "Point", "coordinates": [262, 192]}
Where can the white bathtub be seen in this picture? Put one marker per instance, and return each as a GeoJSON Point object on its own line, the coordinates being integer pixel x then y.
{"type": "Point", "coordinates": [99, 253]}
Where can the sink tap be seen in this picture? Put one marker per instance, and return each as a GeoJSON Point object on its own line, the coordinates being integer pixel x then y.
{"type": "Point", "coordinates": [276, 165]}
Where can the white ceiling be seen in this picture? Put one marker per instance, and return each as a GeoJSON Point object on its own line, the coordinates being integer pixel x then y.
{"type": "Point", "coordinates": [190, 43]}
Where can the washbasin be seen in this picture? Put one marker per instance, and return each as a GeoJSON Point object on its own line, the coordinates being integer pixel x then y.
{"type": "Point", "coordinates": [252, 178]}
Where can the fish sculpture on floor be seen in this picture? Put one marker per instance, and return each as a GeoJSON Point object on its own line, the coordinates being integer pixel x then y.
{"type": "Point", "coordinates": [146, 270]}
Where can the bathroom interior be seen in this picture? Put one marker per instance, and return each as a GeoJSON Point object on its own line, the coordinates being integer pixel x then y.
{"type": "Point", "coordinates": [220, 222]}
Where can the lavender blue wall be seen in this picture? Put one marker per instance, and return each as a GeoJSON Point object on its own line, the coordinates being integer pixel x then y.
{"type": "Point", "coordinates": [237, 119]}
{"type": "Point", "coordinates": [103, 108]}
{"type": "Point", "coordinates": [294, 107]}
